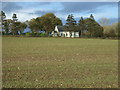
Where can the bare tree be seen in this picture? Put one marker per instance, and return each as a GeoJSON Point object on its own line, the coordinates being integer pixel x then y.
{"type": "Point", "coordinates": [104, 21]}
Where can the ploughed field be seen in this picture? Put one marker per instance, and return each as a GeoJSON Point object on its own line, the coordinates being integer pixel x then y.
{"type": "Point", "coordinates": [59, 62]}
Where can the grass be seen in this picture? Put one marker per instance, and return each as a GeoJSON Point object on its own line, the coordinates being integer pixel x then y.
{"type": "Point", "coordinates": [59, 63]}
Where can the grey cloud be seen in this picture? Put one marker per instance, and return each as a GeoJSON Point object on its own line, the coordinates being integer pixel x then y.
{"type": "Point", "coordinates": [68, 7]}
{"type": "Point", "coordinates": [40, 13]}
{"type": "Point", "coordinates": [71, 7]}
{"type": "Point", "coordinates": [10, 6]}
{"type": "Point", "coordinates": [79, 7]}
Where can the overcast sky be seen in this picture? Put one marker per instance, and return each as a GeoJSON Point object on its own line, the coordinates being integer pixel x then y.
{"type": "Point", "coordinates": [28, 10]}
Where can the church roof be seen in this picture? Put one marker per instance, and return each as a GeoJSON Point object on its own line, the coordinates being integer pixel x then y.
{"type": "Point", "coordinates": [60, 28]}
{"type": "Point", "coordinates": [64, 28]}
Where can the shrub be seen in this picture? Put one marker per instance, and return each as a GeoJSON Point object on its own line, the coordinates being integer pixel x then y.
{"type": "Point", "coordinates": [86, 34]}
{"type": "Point", "coordinates": [28, 34]}
{"type": "Point", "coordinates": [98, 33]}
{"type": "Point", "coordinates": [3, 33]}
{"type": "Point", "coordinates": [42, 34]}
{"type": "Point", "coordinates": [23, 33]}
{"type": "Point", "coordinates": [110, 33]}
{"type": "Point", "coordinates": [111, 30]}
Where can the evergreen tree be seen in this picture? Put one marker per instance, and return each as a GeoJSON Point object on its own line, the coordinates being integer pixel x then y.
{"type": "Point", "coordinates": [14, 25]}
{"type": "Point", "coordinates": [2, 20]}
{"type": "Point", "coordinates": [71, 23]}
{"type": "Point", "coordinates": [7, 26]}
{"type": "Point", "coordinates": [70, 20]}
{"type": "Point", "coordinates": [92, 17]}
{"type": "Point", "coordinates": [2, 15]}
{"type": "Point", "coordinates": [81, 25]}
{"type": "Point", "coordinates": [14, 17]}
{"type": "Point", "coordinates": [93, 28]}
{"type": "Point", "coordinates": [5, 23]}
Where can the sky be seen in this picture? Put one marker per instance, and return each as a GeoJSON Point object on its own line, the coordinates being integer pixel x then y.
{"type": "Point", "coordinates": [27, 10]}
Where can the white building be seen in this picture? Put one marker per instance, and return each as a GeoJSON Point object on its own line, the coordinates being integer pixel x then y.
{"type": "Point", "coordinates": [60, 32]}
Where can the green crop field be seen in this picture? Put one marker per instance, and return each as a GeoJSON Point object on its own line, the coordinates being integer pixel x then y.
{"type": "Point", "coordinates": [59, 62]}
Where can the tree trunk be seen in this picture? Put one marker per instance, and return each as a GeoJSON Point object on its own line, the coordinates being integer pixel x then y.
{"type": "Point", "coordinates": [81, 33]}
{"type": "Point", "coordinates": [20, 32]}
{"type": "Point", "coordinates": [47, 32]}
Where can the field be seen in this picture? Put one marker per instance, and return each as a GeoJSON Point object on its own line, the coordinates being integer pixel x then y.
{"type": "Point", "coordinates": [59, 62]}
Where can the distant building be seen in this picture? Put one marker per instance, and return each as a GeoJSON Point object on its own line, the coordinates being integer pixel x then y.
{"type": "Point", "coordinates": [61, 32]}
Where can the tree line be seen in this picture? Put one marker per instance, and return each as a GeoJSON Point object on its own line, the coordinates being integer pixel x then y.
{"type": "Point", "coordinates": [87, 27]}
{"type": "Point", "coordinates": [11, 26]}
{"type": "Point", "coordinates": [112, 30]}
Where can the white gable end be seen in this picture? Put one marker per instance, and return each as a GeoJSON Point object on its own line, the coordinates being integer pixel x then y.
{"type": "Point", "coordinates": [56, 29]}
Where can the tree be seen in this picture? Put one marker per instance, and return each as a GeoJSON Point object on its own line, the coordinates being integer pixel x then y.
{"type": "Point", "coordinates": [2, 15]}
{"type": "Point", "coordinates": [81, 25]}
{"type": "Point", "coordinates": [15, 27]}
{"type": "Point", "coordinates": [14, 17]}
{"type": "Point", "coordinates": [22, 26]}
{"type": "Point", "coordinates": [7, 24]}
{"type": "Point", "coordinates": [111, 30]}
{"type": "Point", "coordinates": [104, 21]}
{"type": "Point", "coordinates": [35, 25]}
{"type": "Point", "coordinates": [93, 28]}
{"type": "Point", "coordinates": [70, 20]}
{"type": "Point", "coordinates": [49, 21]}
{"type": "Point", "coordinates": [56, 21]}
{"type": "Point", "coordinates": [92, 17]}
{"type": "Point", "coordinates": [47, 24]}
{"type": "Point", "coordinates": [2, 19]}
{"type": "Point", "coordinates": [70, 23]}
